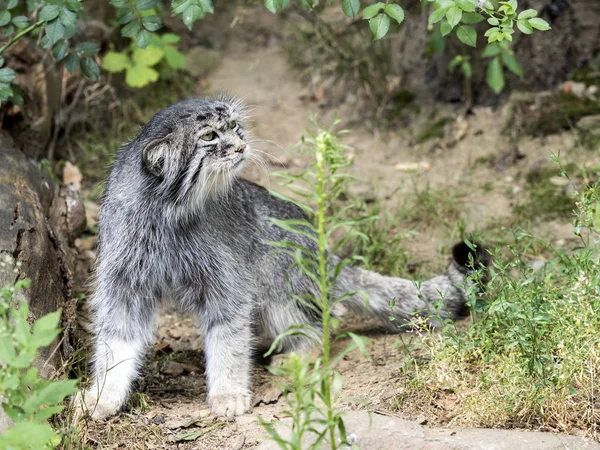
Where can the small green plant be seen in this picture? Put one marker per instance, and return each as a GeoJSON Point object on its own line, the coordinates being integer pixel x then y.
{"type": "Point", "coordinates": [27, 400]}
{"type": "Point", "coordinates": [143, 66]}
{"type": "Point", "coordinates": [530, 355]}
{"type": "Point", "coordinates": [315, 386]}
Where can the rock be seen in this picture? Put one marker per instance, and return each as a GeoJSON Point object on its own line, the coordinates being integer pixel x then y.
{"type": "Point", "coordinates": [377, 432]}
{"type": "Point", "coordinates": [72, 174]}
{"type": "Point", "coordinates": [266, 394]}
{"type": "Point", "coordinates": [559, 181]}
{"type": "Point", "coordinates": [200, 61]}
{"type": "Point", "coordinates": [574, 87]}
{"type": "Point", "coordinates": [590, 124]}
{"type": "Point", "coordinates": [92, 211]}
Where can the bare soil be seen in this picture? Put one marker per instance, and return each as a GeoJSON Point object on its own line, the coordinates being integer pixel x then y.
{"type": "Point", "coordinates": [473, 160]}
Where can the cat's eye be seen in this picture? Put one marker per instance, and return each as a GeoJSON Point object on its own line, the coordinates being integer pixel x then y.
{"type": "Point", "coordinates": [208, 136]}
{"type": "Point", "coordinates": [233, 125]}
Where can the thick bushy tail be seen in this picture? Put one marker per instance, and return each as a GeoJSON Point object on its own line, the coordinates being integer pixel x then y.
{"type": "Point", "coordinates": [378, 293]}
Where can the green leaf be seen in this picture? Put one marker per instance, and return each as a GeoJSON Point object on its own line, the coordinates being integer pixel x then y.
{"type": "Point", "coordinates": [471, 18]}
{"type": "Point", "coordinates": [115, 62]}
{"type": "Point", "coordinates": [10, 4]}
{"type": "Point", "coordinates": [527, 14]}
{"type": "Point", "coordinates": [437, 15]}
{"type": "Point", "coordinates": [143, 38]}
{"type": "Point", "coordinates": [67, 17]}
{"type": "Point", "coordinates": [271, 5]}
{"type": "Point", "coordinates": [445, 28]}
{"type": "Point", "coordinates": [371, 11]}
{"type": "Point", "coordinates": [524, 26]}
{"type": "Point", "coordinates": [89, 68]}
{"type": "Point", "coordinates": [87, 48]}
{"type": "Point", "coordinates": [124, 15]}
{"type": "Point", "coordinates": [170, 38]}
{"type": "Point", "coordinates": [510, 61]}
{"type": "Point", "coordinates": [467, 35]}
{"type": "Point", "coordinates": [454, 14]}
{"type": "Point", "coordinates": [55, 31]}
{"type": "Point", "coordinates": [395, 12]}
{"type": "Point", "coordinates": [208, 6]}
{"type": "Point", "coordinates": [140, 76]}
{"type": "Point", "coordinates": [7, 350]}
{"type": "Point", "coordinates": [4, 17]}
{"type": "Point", "coordinates": [148, 57]}
{"type": "Point", "coordinates": [152, 23]}
{"type": "Point", "coordinates": [175, 59]}
{"type": "Point", "coordinates": [144, 5]}
{"type": "Point", "coordinates": [48, 13]}
{"type": "Point", "coordinates": [539, 24]}
{"type": "Point", "coordinates": [466, 5]}
{"type": "Point", "coordinates": [493, 21]}
{"type": "Point", "coordinates": [53, 393]}
{"type": "Point", "coordinates": [20, 22]}
{"type": "Point", "coordinates": [467, 69]}
{"type": "Point", "coordinates": [191, 14]}
{"type": "Point", "coordinates": [350, 7]}
{"type": "Point", "coordinates": [380, 24]}
{"type": "Point", "coordinates": [490, 50]}
{"type": "Point", "coordinates": [38, 435]}
{"type": "Point", "coordinates": [495, 75]}
{"type": "Point", "coordinates": [71, 62]}
{"type": "Point", "coordinates": [60, 50]}
{"type": "Point", "coordinates": [131, 29]}
{"type": "Point", "coordinates": [6, 75]}
{"type": "Point", "coordinates": [21, 332]}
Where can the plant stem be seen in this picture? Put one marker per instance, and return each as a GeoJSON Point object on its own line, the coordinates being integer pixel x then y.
{"type": "Point", "coordinates": [20, 34]}
{"type": "Point", "coordinates": [324, 289]}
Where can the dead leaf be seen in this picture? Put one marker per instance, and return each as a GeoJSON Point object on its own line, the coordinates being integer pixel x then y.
{"type": "Point", "coordinates": [266, 394]}
{"type": "Point", "coordinates": [72, 174]}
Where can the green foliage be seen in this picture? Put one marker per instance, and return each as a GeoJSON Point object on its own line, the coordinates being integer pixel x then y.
{"type": "Point", "coordinates": [139, 64]}
{"type": "Point", "coordinates": [531, 354]}
{"type": "Point", "coordinates": [26, 399]}
{"type": "Point", "coordinates": [316, 386]}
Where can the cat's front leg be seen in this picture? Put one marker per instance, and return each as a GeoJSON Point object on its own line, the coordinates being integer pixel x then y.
{"type": "Point", "coordinates": [228, 349]}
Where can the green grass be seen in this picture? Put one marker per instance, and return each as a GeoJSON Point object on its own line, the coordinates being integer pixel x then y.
{"type": "Point", "coordinates": [531, 356]}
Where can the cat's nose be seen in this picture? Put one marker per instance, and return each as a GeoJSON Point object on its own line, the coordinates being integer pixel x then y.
{"type": "Point", "coordinates": [241, 149]}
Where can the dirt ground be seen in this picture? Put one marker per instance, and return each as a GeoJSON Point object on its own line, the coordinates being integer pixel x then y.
{"type": "Point", "coordinates": [472, 160]}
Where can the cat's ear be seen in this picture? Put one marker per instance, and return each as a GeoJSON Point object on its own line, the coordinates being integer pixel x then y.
{"type": "Point", "coordinates": [154, 155]}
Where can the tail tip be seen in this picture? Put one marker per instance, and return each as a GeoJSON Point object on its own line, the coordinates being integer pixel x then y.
{"type": "Point", "coordinates": [471, 256]}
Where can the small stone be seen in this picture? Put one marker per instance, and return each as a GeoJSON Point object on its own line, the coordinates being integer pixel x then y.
{"type": "Point", "coordinates": [173, 368]}
{"type": "Point", "coordinates": [72, 174]}
{"type": "Point", "coordinates": [421, 420]}
{"type": "Point", "coordinates": [159, 419]}
{"type": "Point", "coordinates": [239, 443]}
{"type": "Point", "coordinates": [413, 167]}
{"type": "Point", "coordinates": [590, 124]}
{"type": "Point", "coordinates": [86, 243]}
{"type": "Point", "coordinates": [538, 265]}
{"type": "Point", "coordinates": [559, 181]}
{"type": "Point", "coordinates": [91, 213]}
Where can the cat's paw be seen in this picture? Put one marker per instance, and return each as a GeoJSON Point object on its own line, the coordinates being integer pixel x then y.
{"type": "Point", "coordinates": [229, 405]}
{"type": "Point", "coordinates": [88, 403]}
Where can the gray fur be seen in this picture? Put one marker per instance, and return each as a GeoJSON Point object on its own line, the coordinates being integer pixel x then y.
{"type": "Point", "coordinates": [178, 225]}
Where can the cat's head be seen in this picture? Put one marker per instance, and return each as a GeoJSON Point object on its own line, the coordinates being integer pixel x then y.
{"type": "Point", "coordinates": [194, 149]}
